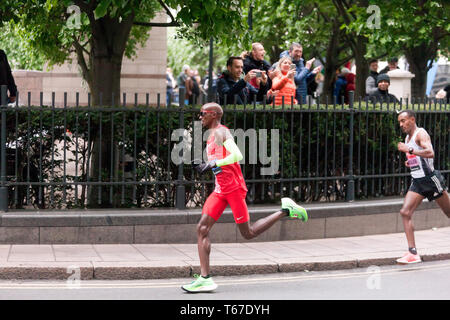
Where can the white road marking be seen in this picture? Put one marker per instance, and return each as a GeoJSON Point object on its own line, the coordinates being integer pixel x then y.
{"type": "Point", "coordinates": [84, 284]}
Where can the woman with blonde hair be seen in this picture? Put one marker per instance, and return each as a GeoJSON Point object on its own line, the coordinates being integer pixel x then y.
{"type": "Point", "coordinates": [284, 81]}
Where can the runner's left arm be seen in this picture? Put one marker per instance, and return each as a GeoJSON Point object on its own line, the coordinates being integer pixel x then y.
{"type": "Point", "coordinates": [425, 142]}
{"type": "Point", "coordinates": [234, 156]}
{"type": "Point", "coordinates": [224, 137]}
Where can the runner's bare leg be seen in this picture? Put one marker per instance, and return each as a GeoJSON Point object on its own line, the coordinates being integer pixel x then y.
{"type": "Point", "coordinates": [412, 201]}
{"type": "Point", "coordinates": [203, 242]}
{"type": "Point", "coordinates": [444, 203]}
{"type": "Point", "coordinates": [251, 231]}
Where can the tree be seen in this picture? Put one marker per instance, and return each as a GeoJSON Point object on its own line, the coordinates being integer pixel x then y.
{"type": "Point", "coordinates": [20, 55]}
{"type": "Point", "coordinates": [313, 23]}
{"type": "Point", "coordinates": [418, 29]}
{"type": "Point", "coordinates": [101, 32]}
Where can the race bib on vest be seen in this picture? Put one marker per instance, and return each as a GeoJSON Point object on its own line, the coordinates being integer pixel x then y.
{"type": "Point", "coordinates": [413, 162]}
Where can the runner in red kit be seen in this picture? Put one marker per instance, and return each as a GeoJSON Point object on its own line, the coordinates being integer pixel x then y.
{"type": "Point", "coordinates": [230, 189]}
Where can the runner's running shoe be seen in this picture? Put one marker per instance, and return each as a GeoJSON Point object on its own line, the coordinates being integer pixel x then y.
{"type": "Point", "coordinates": [295, 211]}
{"type": "Point", "coordinates": [200, 284]}
{"type": "Point", "coordinates": [409, 258]}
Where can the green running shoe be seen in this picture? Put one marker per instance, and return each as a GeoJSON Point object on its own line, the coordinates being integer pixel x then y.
{"type": "Point", "coordinates": [200, 284]}
{"type": "Point", "coordinates": [295, 211]}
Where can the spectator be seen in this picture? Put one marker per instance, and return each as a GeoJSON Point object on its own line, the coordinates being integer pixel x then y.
{"type": "Point", "coordinates": [213, 86]}
{"type": "Point", "coordinates": [6, 77]}
{"type": "Point", "coordinates": [392, 65]}
{"type": "Point", "coordinates": [371, 81]}
{"type": "Point", "coordinates": [339, 85]}
{"type": "Point", "coordinates": [194, 98]}
{"type": "Point", "coordinates": [231, 84]}
{"type": "Point", "coordinates": [382, 93]}
{"type": "Point", "coordinates": [184, 74]}
{"type": "Point", "coordinates": [350, 77]}
{"type": "Point", "coordinates": [303, 74]}
{"type": "Point", "coordinates": [284, 82]}
{"type": "Point", "coordinates": [184, 81]}
{"type": "Point", "coordinates": [255, 61]}
{"type": "Point", "coordinates": [170, 85]}
{"type": "Point", "coordinates": [444, 93]}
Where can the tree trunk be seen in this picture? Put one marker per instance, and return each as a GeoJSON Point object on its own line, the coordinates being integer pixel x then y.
{"type": "Point", "coordinates": [418, 65]}
{"type": "Point", "coordinates": [107, 47]}
{"type": "Point", "coordinates": [332, 63]}
{"type": "Point", "coordinates": [362, 68]}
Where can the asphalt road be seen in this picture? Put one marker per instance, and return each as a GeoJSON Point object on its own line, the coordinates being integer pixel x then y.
{"type": "Point", "coordinates": [430, 280]}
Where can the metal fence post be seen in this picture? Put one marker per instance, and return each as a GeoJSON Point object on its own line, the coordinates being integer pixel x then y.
{"type": "Point", "coordinates": [3, 187]}
{"type": "Point", "coordinates": [181, 189]}
{"type": "Point", "coordinates": [350, 194]}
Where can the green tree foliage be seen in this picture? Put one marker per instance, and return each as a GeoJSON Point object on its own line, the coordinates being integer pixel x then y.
{"type": "Point", "coordinates": [416, 29]}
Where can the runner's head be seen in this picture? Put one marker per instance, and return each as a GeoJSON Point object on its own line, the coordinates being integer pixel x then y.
{"type": "Point", "coordinates": [211, 114]}
{"type": "Point", "coordinates": [407, 121]}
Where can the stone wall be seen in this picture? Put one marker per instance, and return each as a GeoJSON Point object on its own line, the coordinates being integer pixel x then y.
{"type": "Point", "coordinates": [145, 74]}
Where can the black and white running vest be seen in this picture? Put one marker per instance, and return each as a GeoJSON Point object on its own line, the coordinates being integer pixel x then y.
{"type": "Point", "coordinates": [420, 167]}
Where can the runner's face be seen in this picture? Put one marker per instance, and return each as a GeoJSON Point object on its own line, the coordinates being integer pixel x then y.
{"type": "Point", "coordinates": [207, 117]}
{"type": "Point", "coordinates": [406, 123]}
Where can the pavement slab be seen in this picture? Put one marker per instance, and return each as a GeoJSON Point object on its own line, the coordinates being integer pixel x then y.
{"type": "Point", "coordinates": [158, 261]}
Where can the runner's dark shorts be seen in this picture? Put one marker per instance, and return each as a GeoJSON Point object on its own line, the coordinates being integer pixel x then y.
{"type": "Point", "coordinates": [431, 187]}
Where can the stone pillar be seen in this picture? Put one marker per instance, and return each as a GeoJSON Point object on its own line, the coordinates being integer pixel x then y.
{"type": "Point", "coordinates": [400, 83]}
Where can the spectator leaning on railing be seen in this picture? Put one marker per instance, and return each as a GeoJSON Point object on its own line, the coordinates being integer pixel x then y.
{"type": "Point", "coordinates": [6, 77]}
{"type": "Point", "coordinates": [232, 83]}
{"type": "Point", "coordinates": [382, 94]}
{"type": "Point", "coordinates": [284, 81]}
{"type": "Point", "coordinates": [303, 70]}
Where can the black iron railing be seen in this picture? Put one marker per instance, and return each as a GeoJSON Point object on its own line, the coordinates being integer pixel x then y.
{"type": "Point", "coordinates": [140, 155]}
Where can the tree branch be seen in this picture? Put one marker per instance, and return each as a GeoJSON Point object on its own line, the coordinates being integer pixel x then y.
{"type": "Point", "coordinates": [82, 61]}
{"type": "Point", "coordinates": [172, 23]}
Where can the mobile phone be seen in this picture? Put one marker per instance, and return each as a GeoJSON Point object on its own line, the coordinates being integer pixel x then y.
{"type": "Point", "coordinates": [293, 67]}
{"type": "Point", "coordinates": [258, 74]}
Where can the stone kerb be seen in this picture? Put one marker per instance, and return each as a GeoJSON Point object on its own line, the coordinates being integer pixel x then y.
{"type": "Point", "coordinates": [175, 226]}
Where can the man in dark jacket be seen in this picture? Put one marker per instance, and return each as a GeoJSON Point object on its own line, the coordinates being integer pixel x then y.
{"type": "Point", "coordinates": [231, 85]}
{"type": "Point", "coordinates": [381, 94]}
{"type": "Point", "coordinates": [255, 61]}
{"type": "Point", "coordinates": [6, 77]}
{"type": "Point", "coordinates": [303, 74]}
{"type": "Point", "coordinates": [392, 65]}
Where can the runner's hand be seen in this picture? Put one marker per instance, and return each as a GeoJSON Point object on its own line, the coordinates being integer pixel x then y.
{"type": "Point", "coordinates": [203, 167]}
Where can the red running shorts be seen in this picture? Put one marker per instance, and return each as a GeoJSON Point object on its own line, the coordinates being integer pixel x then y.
{"type": "Point", "coordinates": [217, 202]}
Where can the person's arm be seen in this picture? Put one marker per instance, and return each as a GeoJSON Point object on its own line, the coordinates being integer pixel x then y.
{"type": "Point", "coordinates": [423, 140]}
{"type": "Point", "coordinates": [10, 79]}
{"type": "Point", "coordinates": [225, 89]}
{"type": "Point", "coordinates": [370, 86]}
{"type": "Point", "coordinates": [279, 82]}
{"type": "Point", "coordinates": [221, 137]}
{"type": "Point", "coordinates": [301, 75]}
